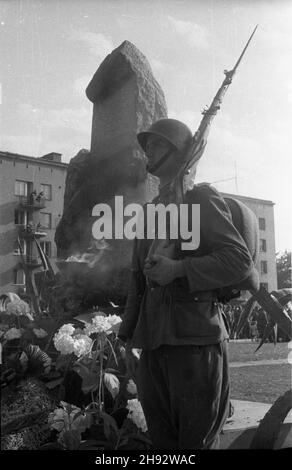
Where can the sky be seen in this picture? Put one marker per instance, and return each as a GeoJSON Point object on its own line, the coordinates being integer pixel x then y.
{"type": "Point", "coordinates": [50, 49]}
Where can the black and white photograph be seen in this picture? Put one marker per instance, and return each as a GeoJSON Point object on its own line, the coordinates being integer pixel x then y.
{"type": "Point", "coordinates": [145, 229]}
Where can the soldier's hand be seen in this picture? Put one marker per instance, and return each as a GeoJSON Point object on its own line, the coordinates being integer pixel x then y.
{"type": "Point", "coordinates": [162, 269]}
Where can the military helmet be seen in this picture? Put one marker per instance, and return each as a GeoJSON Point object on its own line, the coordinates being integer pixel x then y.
{"type": "Point", "coordinates": [174, 131]}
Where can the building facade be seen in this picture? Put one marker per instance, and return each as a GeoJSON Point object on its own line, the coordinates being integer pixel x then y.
{"type": "Point", "coordinates": [31, 205]}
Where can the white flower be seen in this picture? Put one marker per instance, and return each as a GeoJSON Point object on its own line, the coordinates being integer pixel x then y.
{"type": "Point", "coordinates": [114, 319]}
{"type": "Point", "coordinates": [82, 345]}
{"type": "Point", "coordinates": [115, 322]}
{"type": "Point", "coordinates": [18, 307]}
{"type": "Point", "coordinates": [136, 414]}
{"type": "Point", "coordinates": [102, 324]}
{"type": "Point", "coordinates": [70, 340]}
{"type": "Point", "coordinates": [64, 419]}
{"type": "Point", "coordinates": [122, 350]}
{"type": "Point", "coordinates": [99, 324]}
{"type": "Point", "coordinates": [67, 329]}
{"type": "Point", "coordinates": [12, 333]}
{"type": "Point", "coordinates": [64, 343]}
{"type": "Point", "coordinates": [137, 352]}
{"type": "Point", "coordinates": [112, 383]}
{"type": "Point", "coordinates": [131, 387]}
{"type": "Point", "coordinates": [39, 332]}
{"type": "Point", "coordinates": [56, 419]}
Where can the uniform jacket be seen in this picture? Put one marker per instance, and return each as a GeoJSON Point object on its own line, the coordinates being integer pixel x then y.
{"type": "Point", "coordinates": [186, 311]}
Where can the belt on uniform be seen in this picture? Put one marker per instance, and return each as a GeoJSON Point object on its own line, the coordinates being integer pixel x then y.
{"type": "Point", "coordinates": [208, 296]}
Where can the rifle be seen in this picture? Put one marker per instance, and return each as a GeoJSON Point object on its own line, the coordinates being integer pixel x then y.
{"type": "Point", "coordinates": [177, 187]}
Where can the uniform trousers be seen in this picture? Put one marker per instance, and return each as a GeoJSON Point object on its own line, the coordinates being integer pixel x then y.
{"type": "Point", "coordinates": [184, 392]}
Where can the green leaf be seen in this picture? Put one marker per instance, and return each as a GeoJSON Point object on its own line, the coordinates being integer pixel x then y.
{"type": "Point", "coordinates": [92, 444]}
{"type": "Point", "coordinates": [72, 439]}
{"type": "Point", "coordinates": [112, 383]}
{"type": "Point", "coordinates": [62, 361]}
{"type": "Point", "coordinates": [90, 380]}
{"type": "Point", "coordinates": [87, 361]}
{"type": "Point", "coordinates": [54, 383]}
{"type": "Point", "coordinates": [143, 438]}
{"type": "Point", "coordinates": [109, 424]}
{"type": "Point", "coordinates": [80, 368]}
{"type": "Point", "coordinates": [76, 415]}
{"type": "Point", "coordinates": [90, 383]}
{"type": "Point", "coordinates": [116, 327]}
{"type": "Point", "coordinates": [83, 423]}
{"type": "Point", "coordinates": [113, 371]}
{"type": "Point", "coordinates": [123, 442]}
{"type": "Point", "coordinates": [52, 446]}
{"type": "Point", "coordinates": [88, 317]}
{"type": "Point", "coordinates": [267, 331]}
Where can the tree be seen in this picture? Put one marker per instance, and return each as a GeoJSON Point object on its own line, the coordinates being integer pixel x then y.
{"type": "Point", "coordinates": [284, 270]}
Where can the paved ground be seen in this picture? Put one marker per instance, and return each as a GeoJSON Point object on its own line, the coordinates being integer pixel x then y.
{"type": "Point", "coordinates": [259, 363]}
{"type": "Point", "coordinates": [240, 428]}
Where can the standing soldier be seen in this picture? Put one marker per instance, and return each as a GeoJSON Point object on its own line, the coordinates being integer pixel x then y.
{"type": "Point", "coordinates": [182, 375]}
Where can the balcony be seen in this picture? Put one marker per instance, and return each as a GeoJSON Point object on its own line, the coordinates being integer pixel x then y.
{"type": "Point", "coordinates": [31, 202]}
{"type": "Point", "coordinates": [30, 231]}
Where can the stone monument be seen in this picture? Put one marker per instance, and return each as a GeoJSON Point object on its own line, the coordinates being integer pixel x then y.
{"type": "Point", "coordinates": [126, 99]}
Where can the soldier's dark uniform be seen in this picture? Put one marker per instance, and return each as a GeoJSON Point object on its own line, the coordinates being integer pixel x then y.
{"type": "Point", "coordinates": [182, 377]}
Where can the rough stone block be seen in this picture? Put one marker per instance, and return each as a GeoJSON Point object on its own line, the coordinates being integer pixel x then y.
{"type": "Point", "coordinates": [127, 99]}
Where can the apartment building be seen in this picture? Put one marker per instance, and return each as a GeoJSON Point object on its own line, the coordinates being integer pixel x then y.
{"type": "Point", "coordinates": [31, 205]}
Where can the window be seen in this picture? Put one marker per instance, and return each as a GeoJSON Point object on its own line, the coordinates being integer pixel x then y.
{"type": "Point", "coordinates": [45, 220]}
{"type": "Point", "coordinates": [265, 285]}
{"type": "Point", "coordinates": [20, 217]}
{"type": "Point", "coordinates": [47, 248]}
{"type": "Point", "coordinates": [263, 245]}
{"type": "Point", "coordinates": [47, 190]}
{"type": "Point", "coordinates": [262, 223]}
{"type": "Point", "coordinates": [23, 244]}
{"type": "Point", "coordinates": [264, 267]}
{"type": "Point", "coordinates": [21, 188]}
{"type": "Point", "coordinates": [19, 277]}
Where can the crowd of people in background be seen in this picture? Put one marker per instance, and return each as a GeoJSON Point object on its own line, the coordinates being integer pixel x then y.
{"type": "Point", "coordinates": [255, 326]}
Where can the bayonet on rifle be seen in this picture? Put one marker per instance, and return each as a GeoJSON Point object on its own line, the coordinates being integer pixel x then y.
{"type": "Point", "coordinates": [199, 140]}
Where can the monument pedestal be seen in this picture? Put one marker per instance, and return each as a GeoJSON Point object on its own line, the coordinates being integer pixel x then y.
{"type": "Point", "coordinates": [240, 429]}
